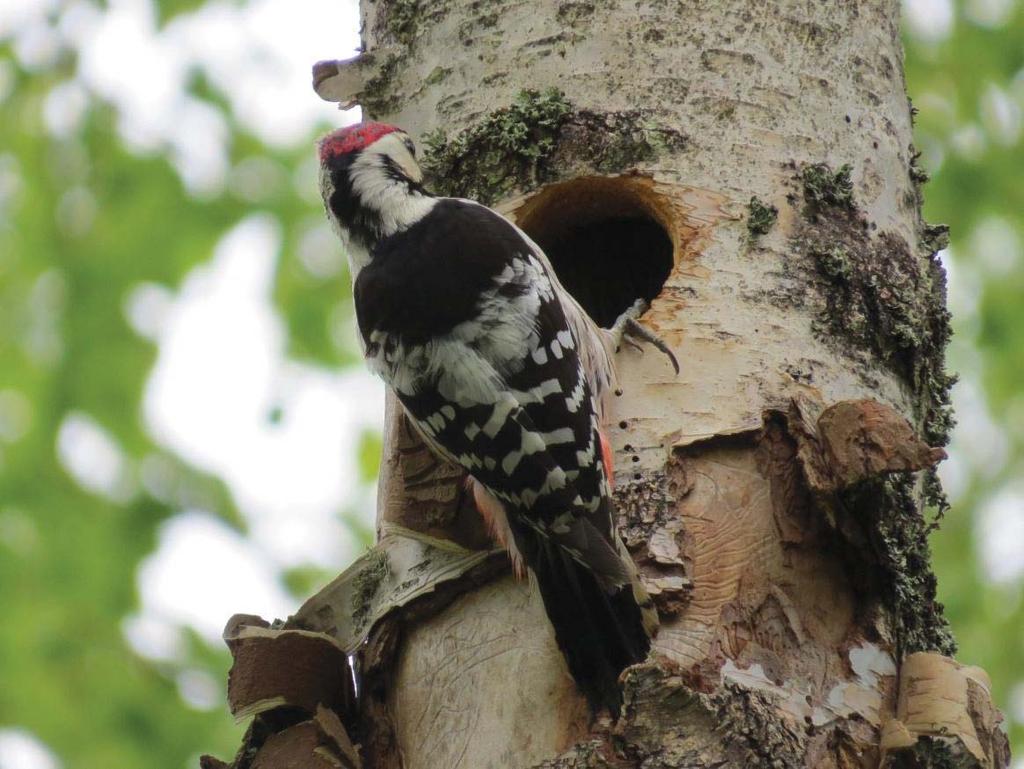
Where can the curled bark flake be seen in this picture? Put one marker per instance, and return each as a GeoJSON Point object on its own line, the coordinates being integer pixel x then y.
{"type": "Point", "coordinates": [856, 459]}
{"type": "Point", "coordinates": [276, 668]}
{"type": "Point", "coordinates": [865, 438]}
{"type": "Point", "coordinates": [854, 441]}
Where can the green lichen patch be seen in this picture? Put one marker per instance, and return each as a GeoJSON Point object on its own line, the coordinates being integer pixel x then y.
{"type": "Point", "coordinates": [934, 237]}
{"type": "Point", "coordinates": [942, 752]}
{"type": "Point", "coordinates": [366, 584]}
{"type": "Point", "coordinates": [917, 174]}
{"type": "Point", "coordinates": [881, 298]}
{"type": "Point", "coordinates": [378, 96]}
{"type": "Point", "coordinates": [825, 187]}
{"type": "Point", "coordinates": [537, 139]}
{"type": "Point", "coordinates": [571, 12]}
{"type": "Point", "coordinates": [834, 263]}
{"type": "Point", "coordinates": [898, 535]}
{"type": "Point", "coordinates": [401, 22]}
{"type": "Point", "coordinates": [400, 18]}
{"type": "Point", "coordinates": [611, 142]}
{"type": "Point", "coordinates": [505, 149]}
{"type": "Point", "coordinates": [437, 75]}
{"type": "Point", "coordinates": [761, 217]}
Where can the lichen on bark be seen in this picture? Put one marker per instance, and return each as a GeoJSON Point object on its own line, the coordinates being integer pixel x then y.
{"type": "Point", "coordinates": [934, 753]}
{"type": "Point", "coordinates": [761, 216]}
{"type": "Point", "coordinates": [825, 187]}
{"type": "Point", "coordinates": [538, 139]}
{"type": "Point", "coordinates": [881, 297]}
{"type": "Point", "coordinates": [402, 19]}
{"type": "Point", "coordinates": [378, 96]}
{"type": "Point", "coordinates": [505, 149]}
{"type": "Point", "coordinates": [898, 536]}
{"type": "Point", "coordinates": [367, 583]}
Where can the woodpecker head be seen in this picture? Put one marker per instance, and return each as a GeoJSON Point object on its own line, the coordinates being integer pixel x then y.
{"type": "Point", "coordinates": [370, 181]}
{"type": "Point", "coordinates": [371, 144]}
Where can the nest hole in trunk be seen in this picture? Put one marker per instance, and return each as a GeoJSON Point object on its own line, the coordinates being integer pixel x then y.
{"type": "Point", "coordinates": [607, 239]}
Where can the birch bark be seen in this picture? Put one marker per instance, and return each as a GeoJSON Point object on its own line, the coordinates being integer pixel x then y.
{"type": "Point", "coordinates": [773, 492]}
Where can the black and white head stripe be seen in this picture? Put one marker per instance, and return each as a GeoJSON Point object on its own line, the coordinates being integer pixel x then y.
{"type": "Point", "coordinates": [373, 191]}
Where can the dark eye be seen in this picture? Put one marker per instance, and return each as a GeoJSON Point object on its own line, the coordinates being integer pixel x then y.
{"type": "Point", "coordinates": [409, 146]}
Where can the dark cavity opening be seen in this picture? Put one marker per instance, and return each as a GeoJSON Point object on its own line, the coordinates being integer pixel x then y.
{"type": "Point", "coordinates": [605, 239]}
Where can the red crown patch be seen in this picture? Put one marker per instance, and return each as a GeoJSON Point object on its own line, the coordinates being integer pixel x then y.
{"type": "Point", "coordinates": [352, 138]}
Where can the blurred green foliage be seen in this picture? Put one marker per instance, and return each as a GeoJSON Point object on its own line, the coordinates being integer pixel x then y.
{"type": "Point", "coordinates": [68, 557]}
{"type": "Point", "coordinates": [83, 221]}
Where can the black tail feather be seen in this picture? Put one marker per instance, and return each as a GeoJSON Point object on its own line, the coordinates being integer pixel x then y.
{"type": "Point", "coordinates": [599, 633]}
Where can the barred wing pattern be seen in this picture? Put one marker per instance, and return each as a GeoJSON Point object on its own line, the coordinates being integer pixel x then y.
{"type": "Point", "coordinates": [492, 373]}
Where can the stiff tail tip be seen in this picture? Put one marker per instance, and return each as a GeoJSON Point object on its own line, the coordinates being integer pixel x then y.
{"type": "Point", "coordinates": [600, 631]}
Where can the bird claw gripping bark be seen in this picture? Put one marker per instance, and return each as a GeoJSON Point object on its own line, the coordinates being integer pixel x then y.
{"type": "Point", "coordinates": [627, 328]}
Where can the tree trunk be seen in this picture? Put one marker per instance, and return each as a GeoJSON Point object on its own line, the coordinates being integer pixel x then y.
{"type": "Point", "coordinates": [749, 168]}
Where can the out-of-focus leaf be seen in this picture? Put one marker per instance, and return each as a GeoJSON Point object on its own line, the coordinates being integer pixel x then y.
{"type": "Point", "coordinates": [304, 581]}
{"type": "Point", "coordinates": [370, 447]}
{"type": "Point", "coordinates": [83, 221]}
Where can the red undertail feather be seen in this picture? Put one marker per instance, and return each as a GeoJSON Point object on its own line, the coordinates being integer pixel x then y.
{"type": "Point", "coordinates": [606, 456]}
{"type": "Point", "coordinates": [494, 515]}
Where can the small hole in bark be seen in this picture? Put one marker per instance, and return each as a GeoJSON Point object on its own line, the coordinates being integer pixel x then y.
{"type": "Point", "coordinates": [623, 424]}
{"type": "Point", "coordinates": [607, 238]}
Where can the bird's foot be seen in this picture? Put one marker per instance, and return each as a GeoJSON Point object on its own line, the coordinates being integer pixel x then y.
{"type": "Point", "coordinates": [627, 328]}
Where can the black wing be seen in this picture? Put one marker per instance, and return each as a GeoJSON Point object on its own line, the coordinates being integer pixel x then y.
{"type": "Point", "coordinates": [463, 320]}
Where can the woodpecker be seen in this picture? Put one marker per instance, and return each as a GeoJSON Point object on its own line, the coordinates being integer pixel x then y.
{"type": "Point", "coordinates": [503, 374]}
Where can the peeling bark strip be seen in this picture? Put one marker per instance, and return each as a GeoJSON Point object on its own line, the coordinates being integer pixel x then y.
{"type": "Point", "coordinates": [760, 154]}
{"type": "Point", "coordinates": [945, 716]}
